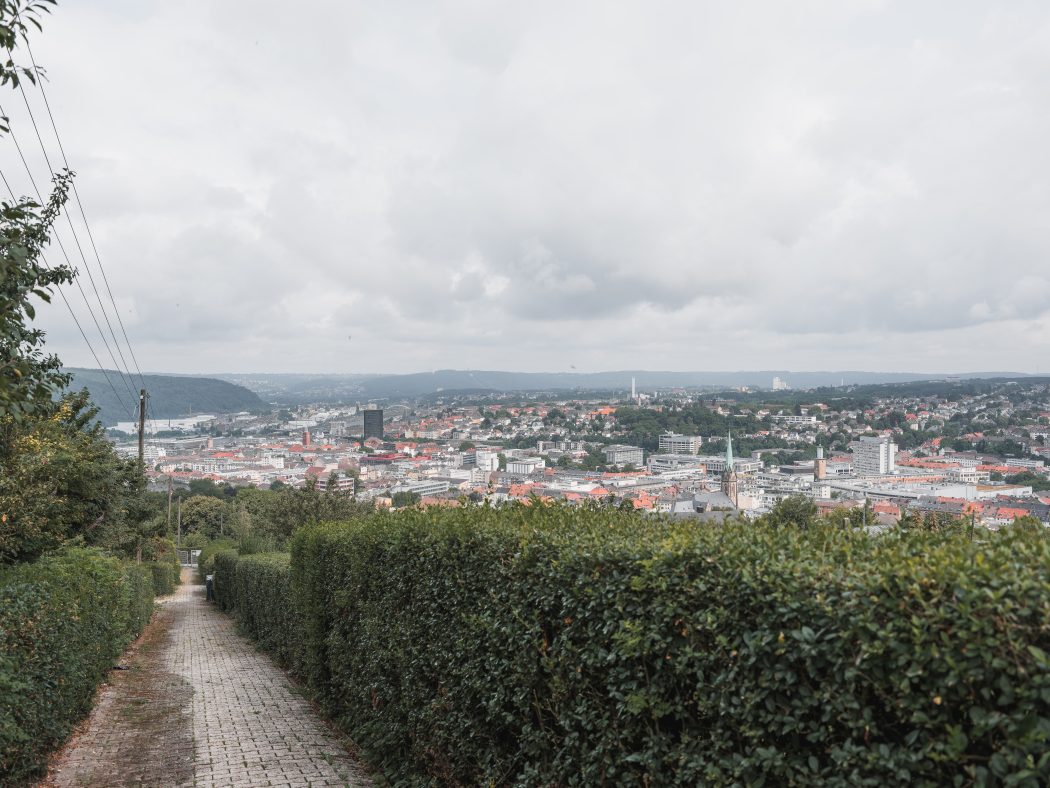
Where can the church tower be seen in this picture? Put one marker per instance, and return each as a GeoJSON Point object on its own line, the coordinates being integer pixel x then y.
{"type": "Point", "coordinates": [730, 485]}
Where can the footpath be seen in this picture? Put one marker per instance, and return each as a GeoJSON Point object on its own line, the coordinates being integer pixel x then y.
{"type": "Point", "coordinates": [198, 705]}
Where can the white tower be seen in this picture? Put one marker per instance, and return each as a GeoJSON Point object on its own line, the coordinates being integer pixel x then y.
{"type": "Point", "coordinates": [633, 395]}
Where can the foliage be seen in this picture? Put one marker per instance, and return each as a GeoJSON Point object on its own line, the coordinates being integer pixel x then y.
{"type": "Point", "coordinates": [793, 512]}
{"type": "Point", "coordinates": [405, 498]}
{"type": "Point", "coordinates": [63, 620]}
{"type": "Point", "coordinates": [210, 488]}
{"type": "Point", "coordinates": [28, 378]}
{"type": "Point", "coordinates": [163, 575]}
{"type": "Point", "coordinates": [546, 646]}
{"type": "Point", "coordinates": [59, 480]}
{"type": "Point", "coordinates": [206, 558]}
{"type": "Point", "coordinates": [277, 514]}
{"type": "Point", "coordinates": [1034, 480]}
{"type": "Point", "coordinates": [170, 395]}
{"type": "Point", "coordinates": [204, 515]}
{"type": "Point", "coordinates": [258, 589]}
{"type": "Point", "coordinates": [644, 425]}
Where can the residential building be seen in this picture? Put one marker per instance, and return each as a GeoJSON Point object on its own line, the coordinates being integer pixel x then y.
{"type": "Point", "coordinates": [525, 465]}
{"type": "Point", "coordinates": [619, 454]}
{"type": "Point", "coordinates": [874, 455]}
{"type": "Point", "coordinates": [676, 443]}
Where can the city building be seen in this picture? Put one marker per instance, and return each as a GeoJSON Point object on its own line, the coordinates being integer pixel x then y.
{"type": "Point", "coordinates": [487, 459]}
{"type": "Point", "coordinates": [676, 443]}
{"type": "Point", "coordinates": [780, 384]}
{"type": "Point", "coordinates": [874, 456]}
{"type": "Point", "coordinates": [525, 465]}
{"type": "Point", "coordinates": [618, 454]}
{"type": "Point", "coordinates": [794, 419]}
{"type": "Point", "coordinates": [660, 463]}
{"type": "Point", "coordinates": [373, 423]}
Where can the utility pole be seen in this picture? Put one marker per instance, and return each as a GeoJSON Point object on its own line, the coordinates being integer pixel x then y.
{"type": "Point", "coordinates": [142, 426]}
{"type": "Point", "coordinates": [178, 537]}
{"type": "Point", "coordinates": [168, 534]}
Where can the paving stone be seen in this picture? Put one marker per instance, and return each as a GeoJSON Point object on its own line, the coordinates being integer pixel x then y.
{"type": "Point", "coordinates": [204, 708]}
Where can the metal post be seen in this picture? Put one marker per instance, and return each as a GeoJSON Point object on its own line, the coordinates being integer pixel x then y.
{"type": "Point", "coordinates": [142, 426]}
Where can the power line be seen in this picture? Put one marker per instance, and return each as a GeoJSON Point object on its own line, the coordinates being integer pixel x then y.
{"type": "Point", "coordinates": [72, 314]}
{"type": "Point", "coordinates": [91, 238]}
{"type": "Point", "coordinates": [62, 248]}
{"type": "Point", "coordinates": [69, 220]}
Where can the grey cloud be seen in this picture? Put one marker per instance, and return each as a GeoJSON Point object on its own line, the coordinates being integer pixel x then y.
{"type": "Point", "coordinates": [464, 184]}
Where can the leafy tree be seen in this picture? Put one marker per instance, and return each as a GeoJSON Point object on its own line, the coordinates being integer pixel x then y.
{"type": "Point", "coordinates": [60, 480]}
{"type": "Point", "coordinates": [211, 489]}
{"type": "Point", "coordinates": [406, 498]}
{"type": "Point", "coordinates": [29, 378]}
{"type": "Point", "coordinates": [796, 511]}
{"type": "Point", "coordinates": [203, 514]}
{"type": "Point", "coordinates": [1034, 480]}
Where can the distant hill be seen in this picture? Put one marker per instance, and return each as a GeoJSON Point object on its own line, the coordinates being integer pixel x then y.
{"type": "Point", "coordinates": [170, 396]}
{"type": "Point", "coordinates": [304, 388]}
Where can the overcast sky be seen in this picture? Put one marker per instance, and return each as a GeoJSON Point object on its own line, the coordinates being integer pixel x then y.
{"type": "Point", "coordinates": [402, 186]}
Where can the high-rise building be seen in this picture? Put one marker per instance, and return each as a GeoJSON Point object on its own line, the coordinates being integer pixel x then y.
{"type": "Point", "coordinates": [874, 455]}
{"type": "Point", "coordinates": [779, 384]}
{"type": "Point", "coordinates": [675, 443]}
{"type": "Point", "coordinates": [373, 423]}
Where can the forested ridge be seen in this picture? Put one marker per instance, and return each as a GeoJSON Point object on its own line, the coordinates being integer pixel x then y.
{"type": "Point", "coordinates": [170, 396]}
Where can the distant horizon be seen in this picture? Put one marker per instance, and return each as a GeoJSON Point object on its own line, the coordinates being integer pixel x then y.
{"type": "Point", "coordinates": [626, 371]}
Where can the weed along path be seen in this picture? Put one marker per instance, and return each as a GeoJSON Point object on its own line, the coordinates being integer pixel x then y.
{"type": "Point", "coordinates": [199, 706]}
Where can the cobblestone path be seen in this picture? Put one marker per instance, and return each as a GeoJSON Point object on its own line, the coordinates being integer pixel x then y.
{"type": "Point", "coordinates": [200, 706]}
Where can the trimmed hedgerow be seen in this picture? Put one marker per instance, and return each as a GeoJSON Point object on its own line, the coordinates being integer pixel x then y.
{"type": "Point", "coordinates": [543, 645]}
{"type": "Point", "coordinates": [164, 576]}
{"type": "Point", "coordinates": [257, 589]}
{"type": "Point", "coordinates": [206, 558]}
{"type": "Point", "coordinates": [64, 619]}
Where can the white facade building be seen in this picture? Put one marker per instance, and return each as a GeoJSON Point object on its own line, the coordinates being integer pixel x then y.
{"type": "Point", "coordinates": [675, 443]}
{"type": "Point", "coordinates": [618, 454]}
{"type": "Point", "coordinates": [525, 465]}
{"type": "Point", "coordinates": [874, 456]}
{"type": "Point", "coordinates": [487, 460]}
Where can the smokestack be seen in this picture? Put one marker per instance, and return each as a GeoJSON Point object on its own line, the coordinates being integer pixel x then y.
{"type": "Point", "coordinates": [820, 467]}
{"type": "Point", "coordinates": [306, 438]}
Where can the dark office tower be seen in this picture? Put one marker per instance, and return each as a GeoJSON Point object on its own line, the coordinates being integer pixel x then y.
{"type": "Point", "coordinates": [374, 423]}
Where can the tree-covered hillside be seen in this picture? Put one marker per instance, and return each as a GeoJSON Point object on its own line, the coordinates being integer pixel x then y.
{"type": "Point", "coordinates": [170, 396]}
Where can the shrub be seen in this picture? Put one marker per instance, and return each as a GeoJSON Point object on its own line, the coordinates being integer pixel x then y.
{"type": "Point", "coordinates": [205, 560]}
{"type": "Point", "coordinates": [543, 645]}
{"type": "Point", "coordinates": [64, 619]}
{"type": "Point", "coordinates": [257, 589]}
{"type": "Point", "coordinates": [164, 551]}
{"type": "Point", "coordinates": [163, 578]}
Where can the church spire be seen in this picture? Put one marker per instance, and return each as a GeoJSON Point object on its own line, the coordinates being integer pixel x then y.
{"type": "Point", "coordinates": [730, 485]}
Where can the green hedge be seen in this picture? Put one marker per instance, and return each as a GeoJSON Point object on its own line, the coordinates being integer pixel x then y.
{"type": "Point", "coordinates": [164, 577]}
{"type": "Point", "coordinates": [206, 558]}
{"type": "Point", "coordinates": [542, 645]}
{"type": "Point", "coordinates": [257, 589]}
{"type": "Point", "coordinates": [64, 619]}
